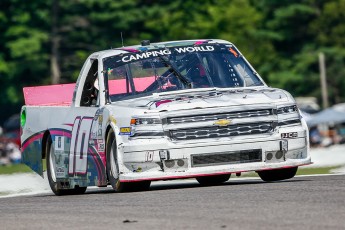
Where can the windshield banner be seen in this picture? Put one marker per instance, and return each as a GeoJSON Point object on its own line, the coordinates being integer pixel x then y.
{"type": "Point", "coordinates": [125, 58]}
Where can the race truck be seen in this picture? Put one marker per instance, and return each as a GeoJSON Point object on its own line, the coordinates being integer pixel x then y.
{"type": "Point", "coordinates": [162, 111]}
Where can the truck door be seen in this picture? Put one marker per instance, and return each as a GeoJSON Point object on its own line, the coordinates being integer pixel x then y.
{"type": "Point", "coordinates": [85, 118]}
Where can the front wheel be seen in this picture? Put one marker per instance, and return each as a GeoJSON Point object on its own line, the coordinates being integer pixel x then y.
{"type": "Point", "coordinates": [277, 174]}
{"type": "Point", "coordinates": [51, 166]}
{"type": "Point", "coordinates": [213, 180]}
{"type": "Point", "coordinates": [113, 169]}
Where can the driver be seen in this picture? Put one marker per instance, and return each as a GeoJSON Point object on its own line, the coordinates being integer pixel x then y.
{"type": "Point", "coordinates": [198, 77]}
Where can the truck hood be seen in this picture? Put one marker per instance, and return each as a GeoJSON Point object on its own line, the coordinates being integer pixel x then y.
{"type": "Point", "coordinates": [208, 98]}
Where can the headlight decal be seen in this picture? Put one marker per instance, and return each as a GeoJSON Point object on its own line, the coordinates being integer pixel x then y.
{"type": "Point", "coordinates": [289, 122]}
{"type": "Point", "coordinates": [145, 121]}
{"type": "Point", "coordinates": [146, 127]}
{"type": "Point", "coordinates": [287, 109]}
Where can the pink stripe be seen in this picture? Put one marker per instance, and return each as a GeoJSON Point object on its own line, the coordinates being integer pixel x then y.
{"type": "Point", "coordinates": [52, 95]}
{"type": "Point", "coordinates": [40, 136]}
{"type": "Point", "coordinates": [200, 42]}
{"type": "Point", "coordinates": [61, 95]}
{"type": "Point", "coordinates": [61, 133]}
{"type": "Point", "coordinates": [158, 103]}
{"type": "Point", "coordinates": [30, 140]}
{"type": "Point", "coordinates": [119, 86]}
{"type": "Point", "coordinates": [130, 50]}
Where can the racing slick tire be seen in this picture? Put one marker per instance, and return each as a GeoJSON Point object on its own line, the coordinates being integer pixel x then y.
{"type": "Point", "coordinates": [277, 174]}
{"type": "Point", "coordinates": [51, 166]}
{"type": "Point", "coordinates": [213, 180]}
{"type": "Point", "coordinates": [113, 170]}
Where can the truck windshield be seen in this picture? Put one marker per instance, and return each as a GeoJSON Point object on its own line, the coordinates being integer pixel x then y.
{"type": "Point", "coordinates": [142, 73]}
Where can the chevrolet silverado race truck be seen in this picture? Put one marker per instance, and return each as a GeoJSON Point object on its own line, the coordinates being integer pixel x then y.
{"type": "Point", "coordinates": [161, 111]}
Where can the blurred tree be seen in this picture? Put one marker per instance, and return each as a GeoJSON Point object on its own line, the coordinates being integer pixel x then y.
{"type": "Point", "coordinates": [303, 29]}
{"type": "Point", "coordinates": [235, 20]}
{"type": "Point", "coordinates": [47, 41]}
{"type": "Point", "coordinates": [86, 26]}
{"type": "Point", "coordinates": [329, 31]}
{"type": "Point", "coordinates": [55, 44]}
{"type": "Point", "coordinates": [23, 50]}
{"type": "Point", "coordinates": [289, 21]}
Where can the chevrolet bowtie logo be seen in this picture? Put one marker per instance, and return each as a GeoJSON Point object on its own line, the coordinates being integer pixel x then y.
{"type": "Point", "coordinates": [222, 122]}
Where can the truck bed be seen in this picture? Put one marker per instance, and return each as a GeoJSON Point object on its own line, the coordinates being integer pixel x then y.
{"type": "Point", "coordinates": [51, 95]}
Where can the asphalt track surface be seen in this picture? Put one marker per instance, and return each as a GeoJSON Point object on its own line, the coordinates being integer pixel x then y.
{"type": "Point", "coordinates": [316, 202]}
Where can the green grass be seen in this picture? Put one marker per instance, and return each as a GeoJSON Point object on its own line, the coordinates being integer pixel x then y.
{"type": "Point", "coordinates": [10, 169]}
{"type": "Point", "coordinates": [19, 168]}
{"type": "Point", "coordinates": [310, 171]}
{"type": "Point", "coordinates": [4, 193]}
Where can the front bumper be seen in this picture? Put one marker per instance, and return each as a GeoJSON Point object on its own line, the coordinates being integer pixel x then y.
{"type": "Point", "coordinates": [140, 159]}
{"type": "Point", "coordinates": [219, 170]}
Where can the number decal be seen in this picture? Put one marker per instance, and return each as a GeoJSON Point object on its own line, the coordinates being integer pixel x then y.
{"type": "Point", "coordinates": [149, 156]}
{"type": "Point", "coordinates": [79, 145]}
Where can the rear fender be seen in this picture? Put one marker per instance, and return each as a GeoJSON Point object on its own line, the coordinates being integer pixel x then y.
{"type": "Point", "coordinates": [32, 152]}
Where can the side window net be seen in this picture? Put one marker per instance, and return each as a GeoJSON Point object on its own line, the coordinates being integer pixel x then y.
{"type": "Point", "coordinates": [89, 95]}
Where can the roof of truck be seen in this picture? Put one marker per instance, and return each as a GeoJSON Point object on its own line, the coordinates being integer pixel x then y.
{"type": "Point", "coordinates": [150, 46]}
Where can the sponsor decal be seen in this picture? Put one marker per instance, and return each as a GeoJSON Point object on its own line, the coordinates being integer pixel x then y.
{"type": "Point", "coordinates": [60, 172]}
{"type": "Point", "coordinates": [100, 145]}
{"type": "Point", "coordinates": [112, 119]}
{"type": "Point", "coordinates": [289, 135]}
{"type": "Point", "coordinates": [94, 135]}
{"type": "Point", "coordinates": [59, 143]}
{"type": "Point", "coordinates": [125, 131]}
{"type": "Point", "coordinates": [223, 122]}
{"type": "Point", "coordinates": [138, 56]}
{"type": "Point", "coordinates": [284, 146]}
{"type": "Point", "coordinates": [233, 52]}
{"type": "Point", "coordinates": [100, 119]}
{"type": "Point", "coordinates": [139, 169]}
{"type": "Point", "coordinates": [157, 53]}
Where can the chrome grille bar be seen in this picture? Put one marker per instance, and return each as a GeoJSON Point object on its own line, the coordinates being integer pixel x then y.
{"type": "Point", "coordinates": [214, 117]}
{"type": "Point", "coordinates": [218, 131]}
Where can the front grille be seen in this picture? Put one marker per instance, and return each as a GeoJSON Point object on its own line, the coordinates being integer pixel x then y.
{"type": "Point", "coordinates": [243, 156]}
{"type": "Point", "coordinates": [218, 131]}
{"type": "Point", "coordinates": [214, 117]}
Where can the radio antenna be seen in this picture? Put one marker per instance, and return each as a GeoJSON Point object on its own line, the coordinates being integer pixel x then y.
{"type": "Point", "coordinates": [122, 39]}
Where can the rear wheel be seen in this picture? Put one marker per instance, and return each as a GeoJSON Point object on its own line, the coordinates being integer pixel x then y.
{"type": "Point", "coordinates": [213, 180]}
{"type": "Point", "coordinates": [51, 167]}
{"type": "Point", "coordinates": [277, 174]}
{"type": "Point", "coordinates": [113, 170]}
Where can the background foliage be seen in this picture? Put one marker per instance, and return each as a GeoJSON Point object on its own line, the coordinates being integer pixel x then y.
{"type": "Point", "coordinates": [43, 40]}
